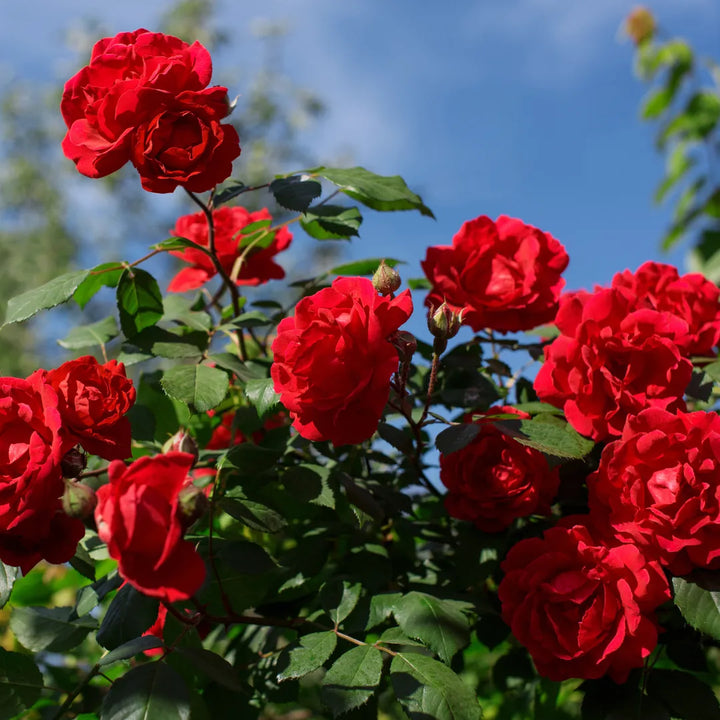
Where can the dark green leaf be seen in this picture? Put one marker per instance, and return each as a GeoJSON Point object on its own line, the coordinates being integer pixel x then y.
{"type": "Point", "coordinates": [105, 275]}
{"type": "Point", "coordinates": [138, 300]}
{"type": "Point", "coordinates": [379, 192]}
{"type": "Point", "coordinates": [52, 629]}
{"type": "Point", "coordinates": [456, 437]}
{"type": "Point", "coordinates": [712, 206]}
{"type": "Point", "coordinates": [130, 614]}
{"type": "Point", "coordinates": [261, 393]}
{"type": "Point", "coordinates": [700, 607]}
{"type": "Point", "coordinates": [130, 649]}
{"type": "Point", "coordinates": [311, 484]}
{"type": "Point", "coordinates": [55, 292]}
{"type": "Point", "coordinates": [363, 267]}
{"type": "Point", "coordinates": [179, 243]}
{"type": "Point", "coordinates": [437, 623]}
{"type": "Point", "coordinates": [295, 193]}
{"type": "Point", "coordinates": [253, 514]}
{"type": "Point", "coordinates": [97, 333]}
{"type": "Point", "coordinates": [331, 222]}
{"type": "Point", "coordinates": [232, 189]}
{"type": "Point", "coordinates": [339, 598]}
{"type": "Point", "coordinates": [20, 683]}
{"type": "Point", "coordinates": [244, 371]}
{"type": "Point", "coordinates": [352, 679]}
{"type": "Point", "coordinates": [395, 636]}
{"type": "Point", "coordinates": [158, 342]}
{"type": "Point", "coordinates": [148, 692]}
{"type": "Point", "coordinates": [428, 689]}
{"type": "Point", "coordinates": [396, 437]}
{"type": "Point", "coordinates": [381, 607]}
{"type": "Point", "coordinates": [254, 318]}
{"type": "Point", "coordinates": [683, 694]}
{"type": "Point", "coordinates": [308, 654]}
{"type": "Point", "coordinates": [90, 596]}
{"type": "Point", "coordinates": [244, 556]}
{"type": "Point", "coordinates": [8, 576]}
{"type": "Point", "coordinates": [549, 434]}
{"type": "Point", "coordinates": [213, 666]}
{"type": "Point", "coordinates": [200, 387]}
{"type": "Point", "coordinates": [249, 459]}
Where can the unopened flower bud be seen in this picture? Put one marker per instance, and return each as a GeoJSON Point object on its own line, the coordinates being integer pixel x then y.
{"type": "Point", "coordinates": [444, 322]}
{"type": "Point", "coordinates": [406, 345]}
{"type": "Point", "coordinates": [192, 503]}
{"type": "Point", "coordinates": [78, 500]}
{"type": "Point", "coordinates": [182, 442]}
{"type": "Point", "coordinates": [73, 463]}
{"type": "Point", "coordinates": [386, 280]}
{"type": "Point", "coordinates": [640, 25]}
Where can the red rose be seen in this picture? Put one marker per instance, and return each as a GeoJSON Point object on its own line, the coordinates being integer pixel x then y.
{"type": "Point", "coordinates": [144, 97]}
{"type": "Point", "coordinates": [692, 297]}
{"type": "Point", "coordinates": [258, 266]}
{"type": "Point", "coordinates": [137, 516]}
{"type": "Point", "coordinates": [93, 400]}
{"type": "Point", "coordinates": [495, 479]}
{"type": "Point", "coordinates": [32, 445]}
{"type": "Point", "coordinates": [611, 361]}
{"type": "Point", "coordinates": [333, 360]}
{"type": "Point", "coordinates": [581, 608]}
{"type": "Point", "coordinates": [504, 275]}
{"type": "Point", "coordinates": [658, 487]}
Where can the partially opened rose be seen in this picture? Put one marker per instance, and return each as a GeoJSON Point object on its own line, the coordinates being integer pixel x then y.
{"type": "Point", "coordinates": [137, 516]}
{"type": "Point", "coordinates": [333, 360]}
{"type": "Point", "coordinates": [503, 275]}
{"type": "Point", "coordinates": [582, 609]}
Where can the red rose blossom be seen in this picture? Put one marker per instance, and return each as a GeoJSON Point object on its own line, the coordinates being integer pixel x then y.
{"type": "Point", "coordinates": [503, 275]}
{"type": "Point", "coordinates": [93, 401]}
{"type": "Point", "coordinates": [692, 297]}
{"type": "Point", "coordinates": [258, 266]}
{"type": "Point", "coordinates": [333, 360]}
{"type": "Point", "coordinates": [137, 516]}
{"type": "Point", "coordinates": [494, 479]}
{"type": "Point", "coordinates": [144, 97]}
{"type": "Point", "coordinates": [581, 608]}
{"type": "Point", "coordinates": [612, 360]}
{"type": "Point", "coordinates": [658, 487]}
{"type": "Point", "coordinates": [32, 445]}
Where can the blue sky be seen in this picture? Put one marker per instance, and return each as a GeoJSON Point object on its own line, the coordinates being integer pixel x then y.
{"type": "Point", "coordinates": [527, 108]}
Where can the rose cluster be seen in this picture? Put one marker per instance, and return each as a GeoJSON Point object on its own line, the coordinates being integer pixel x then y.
{"type": "Point", "coordinates": [44, 417]}
{"type": "Point", "coordinates": [144, 98]}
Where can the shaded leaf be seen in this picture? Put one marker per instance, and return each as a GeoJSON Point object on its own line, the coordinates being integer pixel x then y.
{"type": "Point", "coordinates": [549, 434]}
{"type": "Point", "coordinates": [139, 301]}
{"type": "Point", "coordinates": [158, 342]}
{"type": "Point", "coordinates": [105, 275]}
{"type": "Point", "coordinates": [308, 654]}
{"type": "Point", "coordinates": [232, 189]}
{"type": "Point", "coordinates": [130, 649]}
{"type": "Point", "coordinates": [261, 393]}
{"type": "Point", "coordinates": [700, 607]}
{"type": "Point", "coordinates": [179, 243]}
{"type": "Point", "coordinates": [217, 668]}
{"type": "Point", "coordinates": [352, 679]}
{"type": "Point", "coordinates": [97, 333]}
{"type": "Point", "coordinates": [53, 629]}
{"type": "Point", "coordinates": [8, 576]}
{"type": "Point", "coordinates": [295, 192]}
{"type": "Point", "coordinates": [363, 267]}
{"type": "Point", "coordinates": [456, 437]}
{"type": "Point", "coordinates": [200, 387]}
{"type": "Point", "coordinates": [339, 598]}
{"type": "Point", "coordinates": [20, 683]}
{"type": "Point", "coordinates": [683, 694]}
{"type": "Point", "coordinates": [331, 222]}
{"type": "Point", "coordinates": [130, 614]}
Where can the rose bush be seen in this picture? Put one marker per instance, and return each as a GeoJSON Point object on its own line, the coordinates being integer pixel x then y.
{"type": "Point", "coordinates": [333, 360]}
{"type": "Point", "coordinates": [504, 275]}
{"type": "Point", "coordinates": [257, 267]}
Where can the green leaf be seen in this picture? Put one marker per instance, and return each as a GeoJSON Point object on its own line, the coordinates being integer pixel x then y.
{"type": "Point", "coordinates": [549, 434]}
{"type": "Point", "coordinates": [179, 309]}
{"type": "Point", "coordinates": [148, 692]}
{"type": "Point", "coordinates": [351, 680]}
{"type": "Point", "coordinates": [157, 342]}
{"type": "Point", "coordinates": [437, 623]}
{"type": "Point", "coordinates": [217, 668]}
{"type": "Point", "coordinates": [331, 222]}
{"type": "Point", "coordinates": [55, 292]}
{"type": "Point", "coordinates": [311, 484]}
{"type": "Point", "coordinates": [180, 243]}
{"type": "Point", "coordinates": [678, 164]}
{"type": "Point", "coordinates": [712, 206]}
{"type": "Point", "coordinates": [683, 694]}
{"type": "Point", "coordinates": [395, 636]}
{"type": "Point", "coordinates": [261, 393]}
{"type": "Point", "coordinates": [381, 607]}
{"type": "Point", "coordinates": [130, 649]}
{"type": "Point", "coordinates": [295, 192]}
{"type": "Point", "coordinates": [200, 387]}
{"type": "Point", "coordinates": [308, 654]}
{"type": "Point", "coordinates": [379, 192]}
{"type": "Point", "coordinates": [8, 576]}
{"type": "Point", "coordinates": [139, 301]}
{"type": "Point", "coordinates": [20, 683]}
{"type": "Point", "coordinates": [363, 267]}
{"type": "Point", "coordinates": [105, 275]}
{"type": "Point", "coordinates": [52, 629]}
{"type": "Point", "coordinates": [700, 607]}
{"type": "Point", "coordinates": [244, 371]}
{"type": "Point", "coordinates": [339, 598]}
{"type": "Point", "coordinates": [656, 103]}
{"type": "Point", "coordinates": [253, 514]}
{"type": "Point", "coordinates": [90, 596]}
{"type": "Point", "coordinates": [456, 437]}
{"type": "Point", "coordinates": [97, 333]}
{"type": "Point", "coordinates": [232, 189]}
{"type": "Point", "coordinates": [428, 689]}
{"type": "Point", "coordinates": [419, 284]}
{"type": "Point", "coordinates": [130, 614]}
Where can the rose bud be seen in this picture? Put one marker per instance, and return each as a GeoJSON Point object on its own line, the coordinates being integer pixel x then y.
{"type": "Point", "coordinates": [182, 442]}
{"type": "Point", "coordinates": [386, 280]}
{"type": "Point", "coordinates": [640, 25]}
{"type": "Point", "coordinates": [191, 505]}
{"type": "Point", "coordinates": [73, 463]}
{"type": "Point", "coordinates": [78, 500]}
{"type": "Point", "coordinates": [406, 345]}
{"type": "Point", "coordinates": [443, 323]}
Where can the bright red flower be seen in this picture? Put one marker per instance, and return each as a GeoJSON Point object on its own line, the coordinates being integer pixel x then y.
{"type": "Point", "coordinates": [32, 445]}
{"type": "Point", "coordinates": [611, 361]}
{"type": "Point", "coordinates": [258, 266]}
{"type": "Point", "coordinates": [334, 360]}
{"type": "Point", "coordinates": [93, 402]}
{"type": "Point", "coordinates": [494, 479]}
{"type": "Point", "coordinates": [137, 515]}
{"type": "Point", "coordinates": [582, 609]}
{"type": "Point", "coordinates": [658, 487]}
{"type": "Point", "coordinates": [504, 275]}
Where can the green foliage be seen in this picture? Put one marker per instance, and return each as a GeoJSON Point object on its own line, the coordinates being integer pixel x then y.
{"type": "Point", "coordinates": [200, 387]}
{"type": "Point", "coordinates": [352, 679]}
{"type": "Point", "coordinates": [20, 683]}
{"type": "Point", "coordinates": [700, 607]}
{"type": "Point", "coordinates": [331, 222]}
